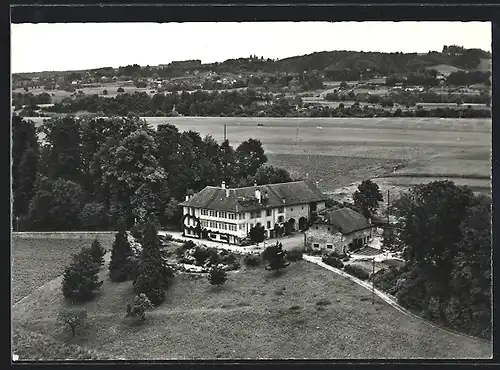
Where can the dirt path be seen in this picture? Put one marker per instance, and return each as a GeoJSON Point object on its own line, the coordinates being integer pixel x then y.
{"type": "Point", "coordinates": [385, 297]}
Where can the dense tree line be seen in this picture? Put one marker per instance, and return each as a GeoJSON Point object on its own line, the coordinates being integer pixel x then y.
{"type": "Point", "coordinates": [242, 104]}
{"type": "Point", "coordinates": [89, 173]}
{"type": "Point", "coordinates": [463, 78]}
{"type": "Point", "coordinates": [410, 98]}
{"type": "Point", "coordinates": [30, 100]}
{"type": "Point", "coordinates": [444, 231]}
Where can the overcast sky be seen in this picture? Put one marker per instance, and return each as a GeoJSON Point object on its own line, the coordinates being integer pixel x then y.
{"type": "Point", "coordinates": [73, 46]}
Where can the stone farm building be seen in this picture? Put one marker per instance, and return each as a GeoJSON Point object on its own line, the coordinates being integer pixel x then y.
{"type": "Point", "coordinates": [335, 230]}
{"type": "Point", "coordinates": [227, 215]}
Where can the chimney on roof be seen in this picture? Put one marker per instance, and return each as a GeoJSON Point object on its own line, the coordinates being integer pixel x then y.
{"type": "Point", "coordinates": [187, 198]}
{"type": "Point", "coordinates": [227, 192]}
{"type": "Point", "coordinates": [258, 195]}
{"type": "Point", "coordinates": [283, 200]}
{"type": "Point", "coordinates": [223, 185]}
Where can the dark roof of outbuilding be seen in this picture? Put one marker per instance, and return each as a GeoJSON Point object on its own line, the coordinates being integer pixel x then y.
{"type": "Point", "coordinates": [346, 220]}
{"type": "Point", "coordinates": [243, 199]}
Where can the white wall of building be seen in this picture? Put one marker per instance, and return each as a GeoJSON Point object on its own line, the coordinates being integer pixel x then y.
{"type": "Point", "coordinates": [243, 225]}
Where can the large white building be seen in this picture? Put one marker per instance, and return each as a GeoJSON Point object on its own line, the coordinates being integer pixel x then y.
{"type": "Point", "coordinates": [227, 215]}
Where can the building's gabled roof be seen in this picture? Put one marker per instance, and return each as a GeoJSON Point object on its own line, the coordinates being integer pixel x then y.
{"type": "Point", "coordinates": [346, 220]}
{"type": "Point", "coordinates": [243, 199]}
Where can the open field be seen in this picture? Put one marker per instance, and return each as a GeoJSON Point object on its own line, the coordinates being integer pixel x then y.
{"type": "Point", "coordinates": [307, 312]}
{"type": "Point", "coordinates": [110, 87]}
{"type": "Point", "coordinates": [37, 261]}
{"type": "Point", "coordinates": [339, 151]}
{"type": "Point", "coordinates": [38, 347]}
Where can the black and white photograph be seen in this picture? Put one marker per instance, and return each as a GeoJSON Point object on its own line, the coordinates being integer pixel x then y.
{"type": "Point", "coordinates": [251, 191]}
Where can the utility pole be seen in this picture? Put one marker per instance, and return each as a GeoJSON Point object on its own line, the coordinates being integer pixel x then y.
{"type": "Point", "coordinates": [225, 136]}
{"type": "Point", "coordinates": [388, 206]}
{"type": "Point", "coordinates": [373, 281]}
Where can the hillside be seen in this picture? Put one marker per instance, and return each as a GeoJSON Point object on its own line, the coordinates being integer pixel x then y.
{"type": "Point", "coordinates": [383, 63]}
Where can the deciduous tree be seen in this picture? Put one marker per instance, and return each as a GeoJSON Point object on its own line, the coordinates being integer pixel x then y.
{"type": "Point", "coordinates": [138, 306]}
{"type": "Point", "coordinates": [73, 319]}
{"type": "Point", "coordinates": [25, 158]}
{"type": "Point", "coordinates": [56, 205]}
{"type": "Point", "coordinates": [250, 156]}
{"type": "Point", "coordinates": [367, 197]}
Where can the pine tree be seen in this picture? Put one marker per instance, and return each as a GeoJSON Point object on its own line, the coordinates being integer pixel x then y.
{"type": "Point", "coordinates": [153, 273]}
{"type": "Point", "coordinates": [121, 253]}
{"type": "Point", "coordinates": [97, 252]}
{"type": "Point", "coordinates": [217, 275]}
{"type": "Point", "coordinates": [275, 257]}
{"type": "Point", "coordinates": [81, 278]}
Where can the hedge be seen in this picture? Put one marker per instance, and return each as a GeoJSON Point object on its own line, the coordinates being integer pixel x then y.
{"type": "Point", "coordinates": [357, 272]}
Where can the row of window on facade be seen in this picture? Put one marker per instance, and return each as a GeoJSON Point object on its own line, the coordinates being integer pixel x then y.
{"type": "Point", "coordinates": [220, 225]}
{"type": "Point", "coordinates": [227, 226]}
{"type": "Point", "coordinates": [240, 216]}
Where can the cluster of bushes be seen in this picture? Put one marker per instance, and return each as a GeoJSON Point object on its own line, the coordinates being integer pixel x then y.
{"type": "Point", "coordinates": [333, 261]}
{"type": "Point", "coordinates": [189, 253]}
{"type": "Point", "coordinates": [252, 260]}
{"type": "Point", "coordinates": [387, 279]}
{"type": "Point", "coordinates": [337, 260]}
{"type": "Point", "coordinates": [81, 278]}
{"type": "Point", "coordinates": [357, 271]}
{"type": "Point", "coordinates": [294, 255]}
{"type": "Point", "coordinates": [275, 257]}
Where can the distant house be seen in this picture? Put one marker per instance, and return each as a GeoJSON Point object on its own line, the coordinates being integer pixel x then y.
{"type": "Point", "coordinates": [337, 229]}
{"type": "Point", "coordinates": [227, 215]}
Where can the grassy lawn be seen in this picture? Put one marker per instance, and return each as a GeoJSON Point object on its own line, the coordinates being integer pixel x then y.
{"type": "Point", "coordinates": [307, 312]}
{"type": "Point", "coordinates": [37, 261]}
{"type": "Point", "coordinates": [34, 346]}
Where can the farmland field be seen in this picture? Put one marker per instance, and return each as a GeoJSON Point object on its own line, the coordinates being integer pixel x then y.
{"type": "Point", "coordinates": [307, 312]}
{"type": "Point", "coordinates": [339, 151]}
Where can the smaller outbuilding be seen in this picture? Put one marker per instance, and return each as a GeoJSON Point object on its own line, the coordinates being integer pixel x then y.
{"type": "Point", "coordinates": [337, 230]}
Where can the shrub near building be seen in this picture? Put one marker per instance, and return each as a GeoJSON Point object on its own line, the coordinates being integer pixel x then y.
{"type": "Point", "coordinates": [356, 271]}
{"type": "Point", "coordinates": [333, 261]}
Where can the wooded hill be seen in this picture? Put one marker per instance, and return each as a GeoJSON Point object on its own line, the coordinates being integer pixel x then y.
{"type": "Point", "coordinates": [326, 61]}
